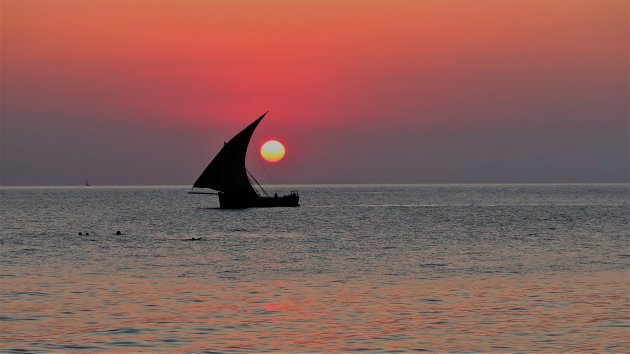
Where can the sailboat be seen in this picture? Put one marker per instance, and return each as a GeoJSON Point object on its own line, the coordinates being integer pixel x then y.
{"type": "Point", "coordinates": [228, 175]}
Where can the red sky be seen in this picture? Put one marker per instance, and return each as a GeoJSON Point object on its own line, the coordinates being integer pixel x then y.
{"type": "Point", "coordinates": [135, 92]}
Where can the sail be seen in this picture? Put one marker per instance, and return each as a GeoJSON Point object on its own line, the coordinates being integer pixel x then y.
{"type": "Point", "coordinates": [226, 172]}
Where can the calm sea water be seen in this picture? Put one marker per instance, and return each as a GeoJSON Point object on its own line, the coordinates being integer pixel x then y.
{"type": "Point", "coordinates": [377, 268]}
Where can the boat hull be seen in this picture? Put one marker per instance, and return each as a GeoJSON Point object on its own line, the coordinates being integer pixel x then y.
{"type": "Point", "coordinates": [240, 201]}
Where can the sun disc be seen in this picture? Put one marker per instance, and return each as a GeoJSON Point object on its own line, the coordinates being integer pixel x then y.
{"type": "Point", "coordinates": [272, 151]}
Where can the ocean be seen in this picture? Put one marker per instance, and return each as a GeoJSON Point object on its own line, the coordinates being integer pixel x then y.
{"type": "Point", "coordinates": [376, 268]}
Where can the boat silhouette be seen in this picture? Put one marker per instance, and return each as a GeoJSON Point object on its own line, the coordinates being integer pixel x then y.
{"type": "Point", "coordinates": [228, 175]}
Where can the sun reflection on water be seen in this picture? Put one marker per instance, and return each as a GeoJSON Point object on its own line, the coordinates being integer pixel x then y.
{"type": "Point", "coordinates": [570, 312]}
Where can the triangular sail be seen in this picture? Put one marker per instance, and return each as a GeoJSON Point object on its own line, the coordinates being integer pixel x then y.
{"type": "Point", "coordinates": [226, 172]}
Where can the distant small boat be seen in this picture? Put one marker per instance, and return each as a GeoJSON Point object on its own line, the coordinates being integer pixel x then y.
{"type": "Point", "coordinates": [227, 174]}
{"type": "Point", "coordinates": [86, 182]}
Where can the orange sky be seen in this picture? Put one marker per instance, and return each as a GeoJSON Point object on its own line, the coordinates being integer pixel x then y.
{"type": "Point", "coordinates": [430, 91]}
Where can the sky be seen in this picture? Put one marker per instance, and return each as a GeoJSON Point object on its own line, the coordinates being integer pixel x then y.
{"type": "Point", "coordinates": [397, 91]}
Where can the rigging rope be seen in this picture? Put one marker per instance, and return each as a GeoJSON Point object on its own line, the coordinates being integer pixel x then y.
{"type": "Point", "coordinates": [255, 180]}
{"type": "Point", "coordinates": [255, 190]}
{"type": "Point", "coordinates": [265, 169]}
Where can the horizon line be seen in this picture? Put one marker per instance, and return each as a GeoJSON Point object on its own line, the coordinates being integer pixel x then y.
{"type": "Point", "coordinates": [320, 184]}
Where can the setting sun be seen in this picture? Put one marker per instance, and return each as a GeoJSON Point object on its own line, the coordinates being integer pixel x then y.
{"type": "Point", "coordinates": [272, 151]}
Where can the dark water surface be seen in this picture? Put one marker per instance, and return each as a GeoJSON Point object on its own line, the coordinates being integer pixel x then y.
{"type": "Point", "coordinates": [379, 268]}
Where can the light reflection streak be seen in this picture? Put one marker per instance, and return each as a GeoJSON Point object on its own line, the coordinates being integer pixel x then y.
{"type": "Point", "coordinates": [579, 312]}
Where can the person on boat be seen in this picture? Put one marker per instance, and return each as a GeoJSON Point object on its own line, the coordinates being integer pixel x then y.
{"type": "Point", "coordinates": [275, 195]}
